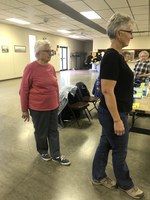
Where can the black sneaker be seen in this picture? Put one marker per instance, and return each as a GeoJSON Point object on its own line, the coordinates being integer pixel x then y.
{"type": "Point", "coordinates": [61, 160]}
{"type": "Point", "coordinates": [45, 156]}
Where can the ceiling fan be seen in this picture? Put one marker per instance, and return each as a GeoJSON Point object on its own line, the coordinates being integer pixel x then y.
{"type": "Point", "coordinates": [45, 20]}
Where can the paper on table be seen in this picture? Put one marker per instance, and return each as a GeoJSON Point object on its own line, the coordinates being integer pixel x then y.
{"type": "Point", "coordinates": [135, 105]}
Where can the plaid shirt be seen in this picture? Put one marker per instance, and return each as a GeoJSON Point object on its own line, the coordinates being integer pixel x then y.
{"type": "Point", "coordinates": [141, 68]}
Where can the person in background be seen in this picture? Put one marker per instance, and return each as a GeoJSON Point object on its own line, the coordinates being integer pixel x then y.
{"type": "Point", "coordinates": [126, 56]}
{"type": "Point", "coordinates": [116, 79]}
{"type": "Point", "coordinates": [39, 96]}
{"type": "Point", "coordinates": [142, 67]}
{"type": "Point", "coordinates": [88, 61]}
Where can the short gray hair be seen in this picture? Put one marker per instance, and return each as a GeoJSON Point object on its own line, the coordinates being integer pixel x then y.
{"type": "Point", "coordinates": [117, 21]}
{"type": "Point", "coordinates": [40, 45]}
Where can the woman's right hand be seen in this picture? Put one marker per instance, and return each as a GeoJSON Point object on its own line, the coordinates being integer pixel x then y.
{"type": "Point", "coordinates": [119, 128]}
{"type": "Point", "coordinates": [26, 116]}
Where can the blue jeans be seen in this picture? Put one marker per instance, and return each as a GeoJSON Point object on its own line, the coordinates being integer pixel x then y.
{"type": "Point", "coordinates": [46, 131]}
{"type": "Point", "coordinates": [118, 144]}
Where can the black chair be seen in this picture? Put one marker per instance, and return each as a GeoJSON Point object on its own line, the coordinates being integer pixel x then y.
{"type": "Point", "coordinates": [78, 107]}
{"type": "Point", "coordinates": [85, 96]}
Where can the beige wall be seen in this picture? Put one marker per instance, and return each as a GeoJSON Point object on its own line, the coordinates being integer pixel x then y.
{"type": "Point", "coordinates": [73, 46]}
{"type": "Point", "coordinates": [88, 47]}
{"type": "Point", "coordinates": [12, 63]}
{"type": "Point", "coordinates": [141, 42]}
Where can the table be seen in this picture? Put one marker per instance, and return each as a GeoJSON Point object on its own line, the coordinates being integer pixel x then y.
{"type": "Point", "coordinates": [96, 66]}
{"type": "Point", "coordinates": [143, 109]}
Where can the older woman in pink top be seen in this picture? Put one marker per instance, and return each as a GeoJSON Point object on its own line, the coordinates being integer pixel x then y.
{"type": "Point", "coordinates": [39, 96]}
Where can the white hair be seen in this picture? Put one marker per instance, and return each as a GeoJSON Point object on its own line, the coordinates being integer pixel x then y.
{"type": "Point", "coordinates": [116, 22]}
{"type": "Point", "coordinates": [144, 52]}
{"type": "Point", "coordinates": [40, 45]}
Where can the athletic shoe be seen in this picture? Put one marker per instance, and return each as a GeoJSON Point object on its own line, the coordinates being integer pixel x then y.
{"type": "Point", "coordinates": [134, 192]}
{"type": "Point", "coordinates": [107, 182]}
{"type": "Point", "coordinates": [61, 160]}
{"type": "Point", "coordinates": [45, 156]}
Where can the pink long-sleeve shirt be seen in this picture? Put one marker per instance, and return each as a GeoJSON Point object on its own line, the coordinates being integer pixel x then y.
{"type": "Point", "coordinates": [39, 88]}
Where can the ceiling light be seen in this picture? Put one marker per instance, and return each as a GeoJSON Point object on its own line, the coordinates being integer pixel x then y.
{"type": "Point", "coordinates": [18, 21]}
{"type": "Point", "coordinates": [74, 36]}
{"type": "Point", "coordinates": [64, 31]}
{"type": "Point", "coordinates": [90, 15]}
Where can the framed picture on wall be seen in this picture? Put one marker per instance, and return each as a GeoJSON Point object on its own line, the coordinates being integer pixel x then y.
{"type": "Point", "coordinates": [5, 49]}
{"type": "Point", "coordinates": [19, 49]}
{"type": "Point", "coordinates": [131, 52]}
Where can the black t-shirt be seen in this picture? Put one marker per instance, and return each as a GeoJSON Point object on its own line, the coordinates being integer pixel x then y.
{"type": "Point", "coordinates": [114, 67]}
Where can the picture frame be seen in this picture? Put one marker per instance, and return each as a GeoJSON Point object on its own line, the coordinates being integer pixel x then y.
{"type": "Point", "coordinates": [131, 52]}
{"type": "Point", "coordinates": [19, 48]}
{"type": "Point", "coordinates": [5, 48]}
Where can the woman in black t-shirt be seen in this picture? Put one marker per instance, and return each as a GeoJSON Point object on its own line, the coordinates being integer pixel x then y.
{"type": "Point", "coordinates": [116, 79]}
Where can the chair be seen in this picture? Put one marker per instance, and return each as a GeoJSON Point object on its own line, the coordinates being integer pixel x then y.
{"type": "Point", "coordinates": [77, 107]}
{"type": "Point", "coordinates": [85, 96]}
{"type": "Point", "coordinates": [63, 99]}
{"type": "Point", "coordinates": [71, 106]}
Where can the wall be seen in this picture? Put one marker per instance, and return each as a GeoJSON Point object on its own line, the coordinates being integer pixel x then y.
{"type": "Point", "coordinates": [139, 42]}
{"type": "Point", "coordinates": [88, 47]}
{"type": "Point", "coordinates": [73, 46]}
{"type": "Point", "coordinates": [12, 64]}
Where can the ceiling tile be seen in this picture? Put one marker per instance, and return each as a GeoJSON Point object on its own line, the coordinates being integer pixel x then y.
{"type": "Point", "coordinates": [31, 11]}
{"type": "Point", "coordinates": [47, 9]}
{"type": "Point", "coordinates": [142, 18]}
{"type": "Point", "coordinates": [123, 11]}
{"type": "Point", "coordinates": [30, 2]}
{"type": "Point", "coordinates": [79, 6]}
{"type": "Point", "coordinates": [96, 4]}
{"type": "Point", "coordinates": [138, 2]}
{"type": "Point", "coordinates": [105, 14]}
{"type": "Point", "coordinates": [140, 10]}
{"type": "Point", "coordinates": [47, 19]}
{"type": "Point", "coordinates": [12, 3]}
{"type": "Point", "coordinates": [67, 1]}
{"type": "Point", "coordinates": [117, 4]}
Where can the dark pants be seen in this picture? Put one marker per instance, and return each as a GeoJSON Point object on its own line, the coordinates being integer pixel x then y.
{"type": "Point", "coordinates": [46, 131]}
{"type": "Point", "coordinates": [118, 144]}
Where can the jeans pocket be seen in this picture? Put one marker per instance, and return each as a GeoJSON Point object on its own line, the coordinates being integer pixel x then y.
{"type": "Point", "coordinates": [105, 118]}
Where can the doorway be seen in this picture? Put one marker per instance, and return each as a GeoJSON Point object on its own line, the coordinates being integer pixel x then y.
{"type": "Point", "coordinates": [63, 58]}
{"type": "Point", "coordinates": [32, 40]}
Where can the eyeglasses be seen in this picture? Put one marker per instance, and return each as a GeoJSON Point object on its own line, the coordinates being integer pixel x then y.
{"type": "Point", "coordinates": [127, 31]}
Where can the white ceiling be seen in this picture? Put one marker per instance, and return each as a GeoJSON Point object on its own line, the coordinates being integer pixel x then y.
{"type": "Point", "coordinates": [51, 18]}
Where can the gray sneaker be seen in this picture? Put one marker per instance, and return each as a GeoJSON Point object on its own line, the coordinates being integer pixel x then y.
{"type": "Point", "coordinates": [61, 160]}
{"type": "Point", "coordinates": [45, 156]}
{"type": "Point", "coordinates": [107, 182]}
{"type": "Point", "coordinates": [134, 192]}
